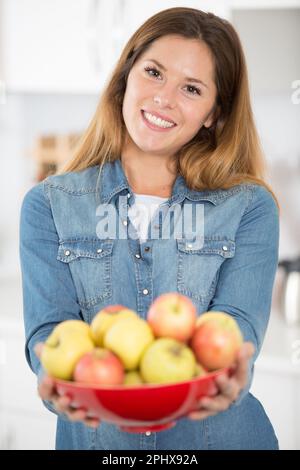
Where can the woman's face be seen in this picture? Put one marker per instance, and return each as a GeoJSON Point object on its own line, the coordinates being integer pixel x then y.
{"type": "Point", "coordinates": [173, 79]}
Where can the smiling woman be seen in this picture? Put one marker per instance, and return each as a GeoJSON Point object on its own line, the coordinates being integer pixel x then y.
{"type": "Point", "coordinates": [168, 90]}
{"type": "Point", "coordinates": [174, 124]}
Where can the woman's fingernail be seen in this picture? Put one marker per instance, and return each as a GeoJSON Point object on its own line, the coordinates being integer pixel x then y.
{"type": "Point", "coordinates": [222, 378]}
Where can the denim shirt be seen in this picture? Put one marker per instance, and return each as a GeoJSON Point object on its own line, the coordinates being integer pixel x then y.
{"type": "Point", "coordinates": [70, 272]}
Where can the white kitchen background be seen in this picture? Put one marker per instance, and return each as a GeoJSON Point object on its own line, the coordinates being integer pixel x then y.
{"type": "Point", "coordinates": [55, 56]}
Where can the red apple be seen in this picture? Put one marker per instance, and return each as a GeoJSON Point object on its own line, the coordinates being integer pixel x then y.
{"type": "Point", "coordinates": [172, 315]}
{"type": "Point", "coordinates": [216, 340]}
{"type": "Point", "coordinates": [101, 367]}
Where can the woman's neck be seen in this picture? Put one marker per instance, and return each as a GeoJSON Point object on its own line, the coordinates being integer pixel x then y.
{"type": "Point", "coordinates": [148, 175]}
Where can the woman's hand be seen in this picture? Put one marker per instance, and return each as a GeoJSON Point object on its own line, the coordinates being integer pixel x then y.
{"type": "Point", "coordinates": [229, 387]}
{"type": "Point", "coordinates": [61, 403]}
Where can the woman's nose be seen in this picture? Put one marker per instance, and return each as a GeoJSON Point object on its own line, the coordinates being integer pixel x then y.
{"type": "Point", "coordinates": [166, 98]}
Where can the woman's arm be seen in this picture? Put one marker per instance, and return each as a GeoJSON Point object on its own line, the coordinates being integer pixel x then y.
{"type": "Point", "coordinates": [244, 290]}
{"type": "Point", "coordinates": [49, 295]}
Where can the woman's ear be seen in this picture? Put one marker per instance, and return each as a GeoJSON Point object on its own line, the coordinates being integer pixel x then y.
{"type": "Point", "coordinates": [212, 117]}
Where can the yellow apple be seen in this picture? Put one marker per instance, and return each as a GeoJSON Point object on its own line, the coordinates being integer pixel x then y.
{"type": "Point", "coordinates": [104, 319]}
{"type": "Point", "coordinates": [167, 360]}
{"type": "Point", "coordinates": [73, 325]}
{"type": "Point", "coordinates": [63, 348]}
{"type": "Point", "coordinates": [133, 377]}
{"type": "Point", "coordinates": [199, 370]}
{"type": "Point", "coordinates": [128, 338]}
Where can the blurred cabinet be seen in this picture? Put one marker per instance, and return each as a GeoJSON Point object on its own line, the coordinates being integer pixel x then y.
{"type": "Point", "coordinates": [71, 46]}
{"type": "Point", "coordinates": [273, 59]}
{"type": "Point", "coordinates": [59, 46]}
{"type": "Point", "coordinates": [24, 421]}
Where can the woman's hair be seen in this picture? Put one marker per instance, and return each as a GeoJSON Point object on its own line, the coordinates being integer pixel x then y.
{"type": "Point", "coordinates": [224, 155]}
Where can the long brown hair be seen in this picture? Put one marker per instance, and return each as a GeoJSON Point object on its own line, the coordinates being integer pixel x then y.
{"type": "Point", "coordinates": [224, 155]}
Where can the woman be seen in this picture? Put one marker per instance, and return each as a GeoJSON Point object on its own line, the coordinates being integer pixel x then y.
{"type": "Point", "coordinates": [174, 126]}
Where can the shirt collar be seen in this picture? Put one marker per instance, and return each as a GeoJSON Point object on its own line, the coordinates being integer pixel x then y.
{"type": "Point", "coordinates": [112, 181]}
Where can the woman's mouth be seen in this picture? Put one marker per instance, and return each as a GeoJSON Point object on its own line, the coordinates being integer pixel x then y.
{"type": "Point", "coordinates": [156, 123]}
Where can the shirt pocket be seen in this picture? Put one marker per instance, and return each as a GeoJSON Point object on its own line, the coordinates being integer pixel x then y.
{"type": "Point", "coordinates": [90, 262]}
{"type": "Point", "coordinates": [198, 268]}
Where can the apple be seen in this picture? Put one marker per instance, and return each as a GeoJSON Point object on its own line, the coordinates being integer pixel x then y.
{"type": "Point", "coordinates": [128, 339]}
{"type": "Point", "coordinates": [105, 318]}
{"type": "Point", "coordinates": [63, 348]}
{"type": "Point", "coordinates": [167, 360]}
{"type": "Point", "coordinates": [172, 315]}
{"type": "Point", "coordinates": [100, 367]}
{"type": "Point", "coordinates": [133, 377]}
{"type": "Point", "coordinates": [199, 370]}
{"type": "Point", "coordinates": [216, 340]}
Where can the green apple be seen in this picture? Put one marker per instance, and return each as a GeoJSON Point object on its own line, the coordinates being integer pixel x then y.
{"type": "Point", "coordinates": [63, 348]}
{"type": "Point", "coordinates": [199, 370]}
{"type": "Point", "coordinates": [128, 338]}
{"type": "Point", "coordinates": [133, 377]}
{"type": "Point", "coordinates": [104, 319]}
{"type": "Point", "coordinates": [167, 360]}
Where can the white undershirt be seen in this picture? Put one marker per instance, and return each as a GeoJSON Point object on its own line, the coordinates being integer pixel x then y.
{"type": "Point", "coordinates": [142, 211]}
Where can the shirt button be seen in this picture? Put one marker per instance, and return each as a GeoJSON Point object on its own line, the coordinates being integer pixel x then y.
{"type": "Point", "coordinates": [145, 291]}
{"type": "Point", "coordinates": [99, 250]}
{"type": "Point", "coordinates": [225, 248]}
{"type": "Point", "coordinates": [125, 222]}
{"type": "Point", "coordinates": [147, 248]}
{"type": "Point", "coordinates": [189, 245]}
{"type": "Point", "coordinates": [137, 256]}
{"type": "Point", "coordinates": [128, 195]}
{"type": "Point", "coordinates": [148, 433]}
{"type": "Point", "coordinates": [67, 252]}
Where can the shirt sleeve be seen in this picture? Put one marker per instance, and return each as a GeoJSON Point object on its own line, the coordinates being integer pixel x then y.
{"type": "Point", "coordinates": [245, 283]}
{"type": "Point", "coordinates": [49, 295]}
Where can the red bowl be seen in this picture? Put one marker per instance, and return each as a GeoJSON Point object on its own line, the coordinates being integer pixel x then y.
{"type": "Point", "coordinates": [141, 408]}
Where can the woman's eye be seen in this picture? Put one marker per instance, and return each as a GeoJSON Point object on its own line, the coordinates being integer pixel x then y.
{"type": "Point", "coordinates": [194, 90]}
{"type": "Point", "coordinates": [152, 69]}
{"type": "Point", "coordinates": [153, 72]}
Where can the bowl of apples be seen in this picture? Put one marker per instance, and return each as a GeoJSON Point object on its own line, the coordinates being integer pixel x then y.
{"type": "Point", "coordinates": [142, 374]}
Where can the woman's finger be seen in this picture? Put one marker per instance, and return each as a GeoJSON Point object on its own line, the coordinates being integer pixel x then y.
{"type": "Point", "coordinates": [216, 404]}
{"type": "Point", "coordinates": [46, 388]}
{"type": "Point", "coordinates": [38, 349]}
{"type": "Point", "coordinates": [92, 422]}
{"type": "Point", "coordinates": [199, 415]}
{"type": "Point", "coordinates": [228, 387]}
{"type": "Point", "coordinates": [62, 403]}
{"type": "Point", "coordinates": [76, 415]}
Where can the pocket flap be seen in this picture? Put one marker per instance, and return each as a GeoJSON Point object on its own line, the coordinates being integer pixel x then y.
{"type": "Point", "coordinates": [222, 247]}
{"type": "Point", "coordinates": [71, 249]}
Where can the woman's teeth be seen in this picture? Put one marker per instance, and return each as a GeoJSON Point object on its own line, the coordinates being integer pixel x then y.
{"type": "Point", "coordinates": [158, 121]}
